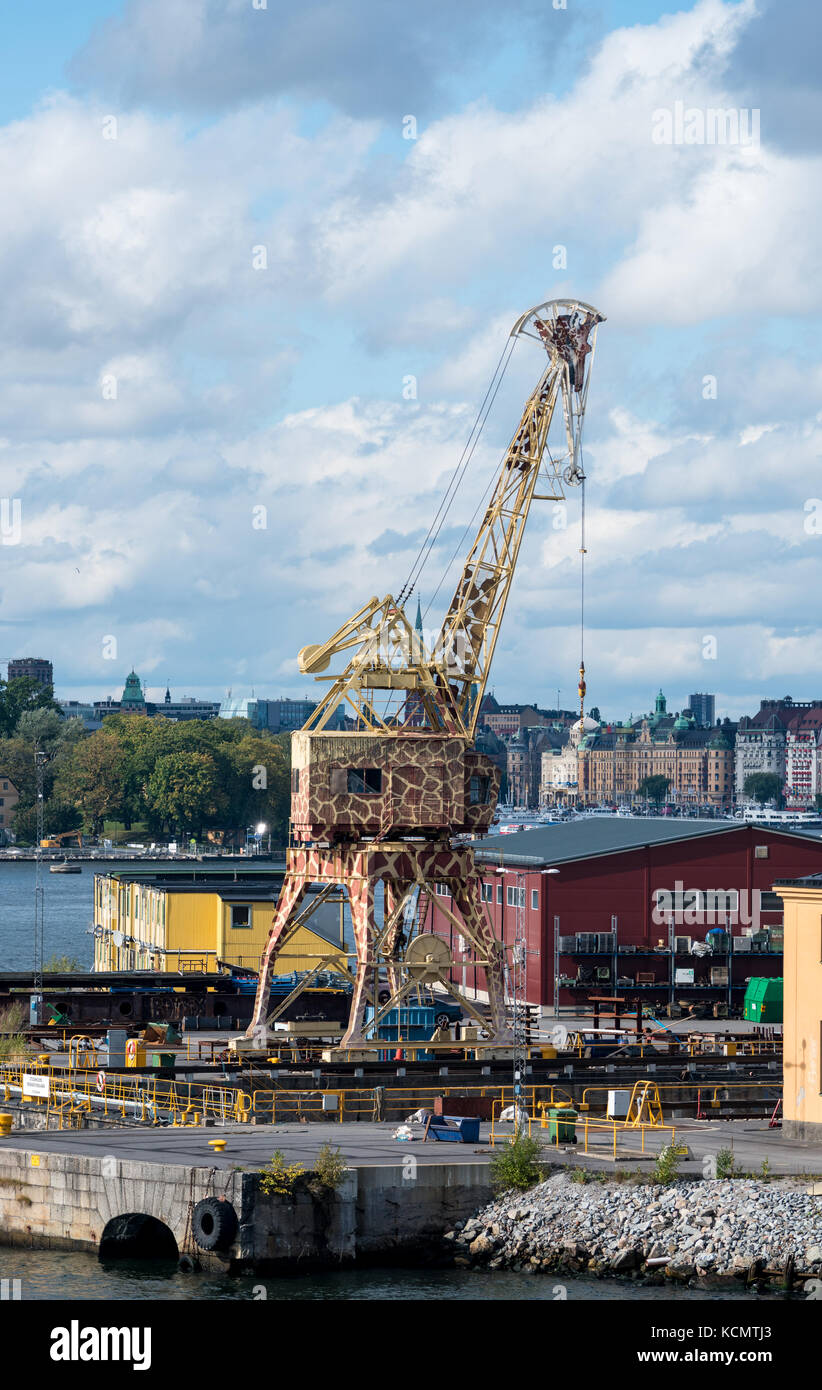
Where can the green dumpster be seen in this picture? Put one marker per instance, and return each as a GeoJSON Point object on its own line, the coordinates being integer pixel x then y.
{"type": "Point", "coordinates": [162, 1060]}
{"type": "Point", "coordinates": [763, 1000]}
{"type": "Point", "coordinates": [562, 1124]}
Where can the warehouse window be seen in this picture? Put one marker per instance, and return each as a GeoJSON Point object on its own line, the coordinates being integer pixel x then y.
{"type": "Point", "coordinates": [515, 897]}
{"type": "Point", "coordinates": [442, 890]}
{"type": "Point", "coordinates": [240, 915]}
{"type": "Point", "coordinates": [760, 852]}
{"type": "Point", "coordinates": [364, 781]}
{"type": "Point", "coordinates": [535, 899]}
{"type": "Point", "coordinates": [487, 892]}
{"type": "Point", "coordinates": [295, 780]}
{"type": "Point", "coordinates": [499, 894]}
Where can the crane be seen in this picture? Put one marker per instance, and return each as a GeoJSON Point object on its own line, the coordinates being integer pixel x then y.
{"type": "Point", "coordinates": [382, 802]}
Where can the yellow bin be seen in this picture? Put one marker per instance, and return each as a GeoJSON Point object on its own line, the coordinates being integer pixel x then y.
{"type": "Point", "coordinates": [5, 1125]}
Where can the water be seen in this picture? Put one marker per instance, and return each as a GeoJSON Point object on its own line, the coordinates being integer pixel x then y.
{"type": "Point", "coordinates": [68, 912]}
{"type": "Point", "coordinates": [52, 1274]}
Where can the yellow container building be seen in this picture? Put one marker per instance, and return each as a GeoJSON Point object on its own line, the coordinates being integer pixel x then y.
{"type": "Point", "coordinates": [203, 918]}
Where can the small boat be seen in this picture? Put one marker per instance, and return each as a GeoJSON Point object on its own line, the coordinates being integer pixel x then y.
{"type": "Point", "coordinates": [64, 867]}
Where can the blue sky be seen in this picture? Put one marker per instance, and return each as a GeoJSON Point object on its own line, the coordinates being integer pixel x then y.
{"type": "Point", "coordinates": [158, 386]}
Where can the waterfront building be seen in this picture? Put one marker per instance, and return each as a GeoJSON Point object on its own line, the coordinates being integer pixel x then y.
{"type": "Point", "coordinates": [524, 763]}
{"type": "Point", "coordinates": [178, 917]}
{"type": "Point", "coordinates": [37, 668]}
{"type": "Point", "coordinates": [9, 797]}
{"type": "Point", "coordinates": [803, 759]}
{"type": "Point", "coordinates": [762, 746]}
{"type": "Point", "coordinates": [634, 895]}
{"type": "Point", "coordinates": [607, 763]}
{"type": "Point", "coordinates": [802, 1007]}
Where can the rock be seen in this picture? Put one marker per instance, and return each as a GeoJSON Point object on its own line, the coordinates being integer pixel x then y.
{"type": "Point", "coordinates": [481, 1246]}
{"type": "Point", "coordinates": [625, 1261]}
{"type": "Point", "coordinates": [813, 1254]}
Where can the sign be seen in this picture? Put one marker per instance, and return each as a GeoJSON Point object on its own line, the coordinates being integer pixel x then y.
{"type": "Point", "coordinates": [101, 1081]}
{"type": "Point", "coordinates": [35, 1087]}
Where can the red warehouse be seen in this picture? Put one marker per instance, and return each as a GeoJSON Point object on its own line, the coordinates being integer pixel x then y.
{"type": "Point", "coordinates": [650, 909]}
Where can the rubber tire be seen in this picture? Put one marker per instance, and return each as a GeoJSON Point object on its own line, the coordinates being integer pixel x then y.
{"type": "Point", "coordinates": [214, 1224]}
{"type": "Point", "coordinates": [443, 1021]}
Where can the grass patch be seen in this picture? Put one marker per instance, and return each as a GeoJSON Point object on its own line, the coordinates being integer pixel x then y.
{"type": "Point", "coordinates": [12, 1040]}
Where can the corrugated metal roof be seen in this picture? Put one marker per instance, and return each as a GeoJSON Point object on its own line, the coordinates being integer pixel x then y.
{"type": "Point", "coordinates": [583, 839]}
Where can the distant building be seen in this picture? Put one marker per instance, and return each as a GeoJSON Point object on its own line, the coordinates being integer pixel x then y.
{"type": "Point", "coordinates": [506, 721]}
{"type": "Point", "coordinates": [187, 708]}
{"type": "Point", "coordinates": [9, 797]}
{"type": "Point", "coordinates": [762, 744]}
{"type": "Point", "coordinates": [703, 709]}
{"type": "Point", "coordinates": [283, 715]}
{"type": "Point", "coordinates": [611, 761]}
{"type": "Point", "coordinates": [35, 667]}
{"type": "Point", "coordinates": [525, 755]}
{"type": "Point", "coordinates": [79, 709]}
{"type": "Point", "coordinates": [133, 701]}
{"type": "Point", "coordinates": [803, 759]}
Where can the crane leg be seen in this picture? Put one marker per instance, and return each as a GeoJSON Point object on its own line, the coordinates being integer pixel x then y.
{"type": "Point", "coordinates": [361, 898]}
{"type": "Point", "coordinates": [291, 895]}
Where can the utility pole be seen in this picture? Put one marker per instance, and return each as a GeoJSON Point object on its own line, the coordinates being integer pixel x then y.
{"type": "Point", "coordinates": [40, 760]}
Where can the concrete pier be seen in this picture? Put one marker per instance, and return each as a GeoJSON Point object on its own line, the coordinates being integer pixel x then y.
{"type": "Point", "coordinates": [118, 1190]}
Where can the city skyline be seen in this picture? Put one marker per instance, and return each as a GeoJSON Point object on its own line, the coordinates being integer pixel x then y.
{"type": "Point", "coordinates": [224, 431]}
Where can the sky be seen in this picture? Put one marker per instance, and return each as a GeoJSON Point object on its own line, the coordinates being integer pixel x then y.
{"type": "Point", "coordinates": [258, 263]}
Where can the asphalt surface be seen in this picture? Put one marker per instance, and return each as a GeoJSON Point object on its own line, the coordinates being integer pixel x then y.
{"type": "Point", "coordinates": [369, 1145]}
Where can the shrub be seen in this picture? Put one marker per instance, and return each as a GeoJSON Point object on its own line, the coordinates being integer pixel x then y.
{"type": "Point", "coordinates": [517, 1165]}
{"type": "Point", "coordinates": [61, 965]}
{"type": "Point", "coordinates": [667, 1162]}
{"type": "Point", "coordinates": [329, 1167]}
{"type": "Point", "coordinates": [279, 1178]}
{"type": "Point", "coordinates": [725, 1164]}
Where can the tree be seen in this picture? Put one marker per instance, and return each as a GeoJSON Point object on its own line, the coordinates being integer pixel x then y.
{"type": "Point", "coordinates": [762, 787]}
{"type": "Point", "coordinates": [655, 788]}
{"type": "Point", "coordinates": [20, 695]}
{"type": "Point", "coordinates": [94, 779]}
{"type": "Point", "coordinates": [184, 790]}
{"type": "Point", "coordinates": [58, 816]}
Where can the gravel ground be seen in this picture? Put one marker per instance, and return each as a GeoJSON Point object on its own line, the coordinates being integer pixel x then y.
{"type": "Point", "coordinates": [704, 1231]}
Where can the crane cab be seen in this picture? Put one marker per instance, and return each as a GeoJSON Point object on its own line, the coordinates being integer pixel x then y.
{"type": "Point", "coordinates": [350, 785]}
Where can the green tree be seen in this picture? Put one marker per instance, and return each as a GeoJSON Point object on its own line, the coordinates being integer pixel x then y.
{"type": "Point", "coordinates": [762, 787]}
{"type": "Point", "coordinates": [58, 816]}
{"type": "Point", "coordinates": [19, 696]}
{"type": "Point", "coordinates": [94, 779]}
{"type": "Point", "coordinates": [655, 788]}
{"type": "Point", "coordinates": [184, 791]}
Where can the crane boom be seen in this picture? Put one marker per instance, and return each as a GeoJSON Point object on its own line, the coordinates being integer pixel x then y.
{"type": "Point", "coordinates": [466, 643]}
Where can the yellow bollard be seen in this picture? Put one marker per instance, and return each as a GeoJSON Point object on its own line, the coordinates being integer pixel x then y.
{"type": "Point", "coordinates": [5, 1125]}
{"type": "Point", "coordinates": [217, 1145]}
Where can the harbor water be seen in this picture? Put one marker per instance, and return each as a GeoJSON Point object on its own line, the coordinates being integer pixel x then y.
{"type": "Point", "coordinates": [55, 1274]}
